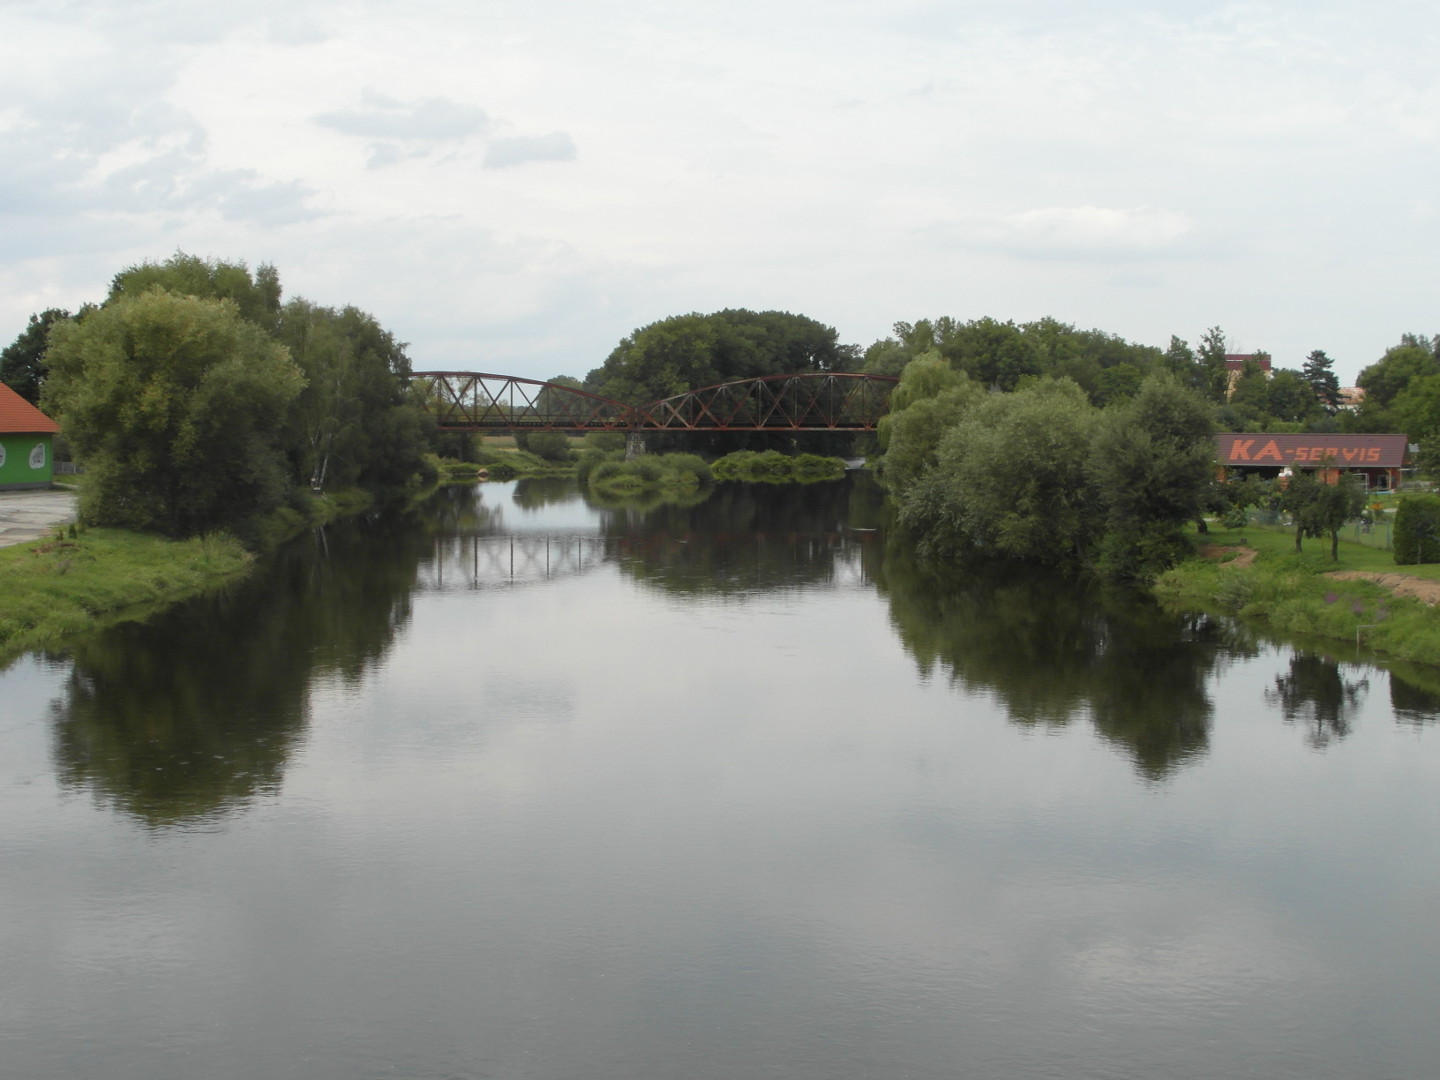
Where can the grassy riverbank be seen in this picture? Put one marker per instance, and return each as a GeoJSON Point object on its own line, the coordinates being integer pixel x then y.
{"type": "Point", "coordinates": [1295, 594]}
{"type": "Point", "coordinates": [59, 587]}
{"type": "Point", "coordinates": [75, 582]}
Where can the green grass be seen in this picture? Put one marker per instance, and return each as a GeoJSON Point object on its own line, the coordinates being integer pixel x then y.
{"type": "Point", "coordinates": [76, 582]}
{"type": "Point", "coordinates": [59, 587]}
{"type": "Point", "coordinates": [1290, 593]}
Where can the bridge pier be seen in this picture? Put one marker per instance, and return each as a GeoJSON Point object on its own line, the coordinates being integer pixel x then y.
{"type": "Point", "coordinates": [634, 445]}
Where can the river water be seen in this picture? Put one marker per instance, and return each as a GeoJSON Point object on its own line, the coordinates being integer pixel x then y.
{"type": "Point", "coordinates": [520, 786]}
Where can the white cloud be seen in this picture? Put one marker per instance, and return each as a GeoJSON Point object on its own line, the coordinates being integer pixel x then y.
{"type": "Point", "coordinates": [427, 120]}
{"type": "Point", "coordinates": [504, 153]}
{"type": "Point", "coordinates": [1263, 167]}
{"type": "Point", "coordinates": [1078, 232]}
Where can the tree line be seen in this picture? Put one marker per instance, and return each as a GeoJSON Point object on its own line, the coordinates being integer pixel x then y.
{"type": "Point", "coordinates": [196, 397]}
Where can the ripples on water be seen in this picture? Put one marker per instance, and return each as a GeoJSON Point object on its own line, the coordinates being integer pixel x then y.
{"type": "Point", "coordinates": [517, 785]}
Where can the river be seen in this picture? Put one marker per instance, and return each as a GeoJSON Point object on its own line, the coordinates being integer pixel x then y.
{"type": "Point", "coordinates": [520, 785]}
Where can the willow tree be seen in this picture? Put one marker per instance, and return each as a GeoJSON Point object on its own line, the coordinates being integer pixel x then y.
{"type": "Point", "coordinates": [175, 405]}
{"type": "Point", "coordinates": [1013, 480]}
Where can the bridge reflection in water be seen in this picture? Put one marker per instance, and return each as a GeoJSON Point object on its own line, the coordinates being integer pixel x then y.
{"type": "Point", "coordinates": [726, 564]}
{"type": "Point", "coordinates": [487, 562]}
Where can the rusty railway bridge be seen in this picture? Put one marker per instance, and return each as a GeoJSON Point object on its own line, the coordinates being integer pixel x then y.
{"type": "Point", "coordinates": [814, 401]}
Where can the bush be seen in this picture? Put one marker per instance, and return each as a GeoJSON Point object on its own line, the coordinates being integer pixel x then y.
{"type": "Point", "coordinates": [1417, 530]}
{"type": "Point", "coordinates": [649, 470]}
{"type": "Point", "coordinates": [604, 441]}
{"type": "Point", "coordinates": [552, 446]}
{"type": "Point", "coordinates": [688, 464]}
{"type": "Point", "coordinates": [773, 467]}
{"type": "Point", "coordinates": [590, 459]}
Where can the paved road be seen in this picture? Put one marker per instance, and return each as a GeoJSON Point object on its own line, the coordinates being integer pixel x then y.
{"type": "Point", "coordinates": [29, 515]}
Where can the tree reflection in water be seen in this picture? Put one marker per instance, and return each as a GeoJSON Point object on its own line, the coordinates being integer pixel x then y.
{"type": "Point", "coordinates": [747, 538]}
{"type": "Point", "coordinates": [195, 714]}
{"type": "Point", "coordinates": [1052, 648]}
{"type": "Point", "coordinates": [1414, 694]}
{"type": "Point", "coordinates": [1314, 692]}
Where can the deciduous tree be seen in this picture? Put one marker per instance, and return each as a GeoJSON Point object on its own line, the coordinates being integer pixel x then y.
{"type": "Point", "coordinates": [1320, 509]}
{"type": "Point", "coordinates": [352, 424]}
{"type": "Point", "coordinates": [256, 295]}
{"type": "Point", "coordinates": [931, 398]}
{"type": "Point", "coordinates": [175, 405]}
{"type": "Point", "coordinates": [687, 352]}
{"type": "Point", "coordinates": [1153, 461]}
{"type": "Point", "coordinates": [1014, 480]}
{"type": "Point", "coordinates": [22, 364]}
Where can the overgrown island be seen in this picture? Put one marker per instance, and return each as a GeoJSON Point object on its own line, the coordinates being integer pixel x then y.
{"type": "Point", "coordinates": [212, 418]}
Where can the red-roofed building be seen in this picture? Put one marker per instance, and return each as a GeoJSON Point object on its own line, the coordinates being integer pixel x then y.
{"type": "Point", "coordinates": [1235, 367]}
{"type": "Point", "coordinates": [1379, 458]}
{"type": "Point", "coordinates": [25, 437]}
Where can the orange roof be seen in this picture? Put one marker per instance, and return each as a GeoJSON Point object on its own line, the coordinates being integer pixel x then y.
{"type": "Point", "coordinates": [19, 417]}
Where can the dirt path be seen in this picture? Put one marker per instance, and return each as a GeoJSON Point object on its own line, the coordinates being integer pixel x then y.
{"type": "Point", "coordinates": [1424, 589]}
{"type": "Point", "coordinates": [1244, 556]}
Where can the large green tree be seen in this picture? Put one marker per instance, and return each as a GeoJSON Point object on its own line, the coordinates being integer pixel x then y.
{"type": "Point", "coordinates": [352, 425]}
{"type": "Point", "coordinates": [686, 352]}
{"type": "Point", "coordinates": [175, 405]}
{"type": "Point", "coordinates": [1153, 462]}
{"type": "Point", "coordinates": [997, 355]}
{"type": "Point", "coordinates": [931, 398]}
{"type": "Point", "coordinates": [256, 295]}
{"type": "Point", "coordinates": [1384, 380]}
{"type": "Point", "coordinates": [22, 364]}
{"type": "Point", "coordinates": [1013, 480]}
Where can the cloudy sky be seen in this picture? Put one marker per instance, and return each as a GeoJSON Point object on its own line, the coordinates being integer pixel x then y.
{"type": "Point", "coordinates": [513, 187]}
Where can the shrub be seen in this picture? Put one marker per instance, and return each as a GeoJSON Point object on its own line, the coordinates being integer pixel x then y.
{"type": "Point", "coordinates": [1417, 530]}
{"type": "Point", "coordinates": [604, 441]}
{"type": "Point", "coordinates": [589, 460]}
{"type": "Point", "coordinates": [607, 469]}
{"type": "Point", "coordinates": [773, 467]}
{"type": "Point", "coordinates": [552, 446]}
{"type": "Point", "coordinates": [688, 465]}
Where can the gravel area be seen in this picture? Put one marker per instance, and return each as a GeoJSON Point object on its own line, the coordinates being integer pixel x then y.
{"type": "Point", "coordinates": [29, 515]}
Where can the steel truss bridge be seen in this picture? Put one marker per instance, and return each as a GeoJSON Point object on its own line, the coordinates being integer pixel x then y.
{"type": "Point", "coordinates": [815, 401]}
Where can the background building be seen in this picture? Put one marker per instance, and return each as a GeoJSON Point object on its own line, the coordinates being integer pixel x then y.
{"type": "Point", "coordinates": [1378, 458]}
{"type": "Point", "coordinates": [26, 457]}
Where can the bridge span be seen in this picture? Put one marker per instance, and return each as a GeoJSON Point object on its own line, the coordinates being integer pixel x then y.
{"type": "Point", "coordinates": [813, 401]}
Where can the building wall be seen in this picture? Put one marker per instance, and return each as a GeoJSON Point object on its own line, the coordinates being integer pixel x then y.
{"type": "Point", "coordinates": [27, 461]}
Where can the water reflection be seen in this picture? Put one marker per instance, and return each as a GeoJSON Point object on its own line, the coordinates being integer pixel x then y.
{"type": "Point", "coordinates": [1315, 694]}
{"type": "Point", "coordinates": [1052, 649]}
{"type": "Point", "coordinates": [752, 538]}
{"type": "Point", "coordinates": [196, 713]}
{"type": "Point", "coordinates": [1414, 694]}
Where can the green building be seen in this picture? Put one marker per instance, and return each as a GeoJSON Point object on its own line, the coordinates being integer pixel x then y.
{"type": "Point", "coordinates": [26, 457]}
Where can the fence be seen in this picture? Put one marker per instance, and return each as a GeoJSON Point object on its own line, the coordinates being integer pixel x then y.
{"type": "Point", "coordinates": [1377, 534]}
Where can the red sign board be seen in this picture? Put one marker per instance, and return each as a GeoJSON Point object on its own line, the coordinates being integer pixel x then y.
{"type": "Point", "coordinates": [1313, 451]}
